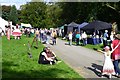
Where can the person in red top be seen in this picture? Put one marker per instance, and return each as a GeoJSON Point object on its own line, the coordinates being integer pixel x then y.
{"type": "Point", "coordinates": [8, 32]}
{"type": "Point", "coordinates": [116, 54]}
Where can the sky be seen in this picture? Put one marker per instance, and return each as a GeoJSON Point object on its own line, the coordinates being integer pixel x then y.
{"type": "Point", "coordinates": [17, 3]}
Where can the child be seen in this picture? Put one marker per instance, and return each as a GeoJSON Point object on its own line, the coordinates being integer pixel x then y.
{"type": "Point", "coordinates": [108, 67]}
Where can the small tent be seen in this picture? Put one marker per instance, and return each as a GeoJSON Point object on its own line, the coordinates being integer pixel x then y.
{"type": "Point", "coordinates": [26, 25]}
{"type": "Point", "coordinates": [72, 26]}
{"type": "Point", "coordinates": [82, 25]}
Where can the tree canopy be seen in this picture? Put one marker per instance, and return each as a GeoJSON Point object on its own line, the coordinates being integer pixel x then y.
{"type": "Point", "coordinates": [54, 14]}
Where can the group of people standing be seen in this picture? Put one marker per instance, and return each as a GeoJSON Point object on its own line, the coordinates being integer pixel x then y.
{"type": "Point", "coordinates": [77, 37]}
{"type": "Point", "coordinates": [112, 58]}
{"type": "Point", "coordinates": [46, 35]}
{"type": "Point", "coordinates": [11, 31]}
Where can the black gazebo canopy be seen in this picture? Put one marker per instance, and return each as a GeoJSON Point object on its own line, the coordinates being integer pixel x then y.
{"type": "Point", "coordinates": [97, 25]}
{"type": "Point", "coordinates": [71, 26]}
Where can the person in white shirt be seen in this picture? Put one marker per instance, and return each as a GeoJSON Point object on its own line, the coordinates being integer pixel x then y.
{"type": "Point", "coordinates": [70, 38]}
{"type": "Point", "coordinates": [84, 38]}
{"type": "Point", "coordinates": [112, 36]}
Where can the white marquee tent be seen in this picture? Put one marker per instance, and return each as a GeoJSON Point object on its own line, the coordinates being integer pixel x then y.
{"type": "Point", "coordinates": [4, 22]}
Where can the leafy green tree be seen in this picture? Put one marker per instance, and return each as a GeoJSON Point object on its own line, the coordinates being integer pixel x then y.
{"type": "Point", "coordinates": [33, 13]}
{"type": "Point", "coordinates": [13, 16]}
{"type": "Point", "coordinates": [6, 12]}
{"type": "Point", "coordinates": [54, 14]}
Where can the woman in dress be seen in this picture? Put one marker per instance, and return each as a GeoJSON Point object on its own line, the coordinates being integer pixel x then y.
{"type": "Point", "coordinates": [17, 33]}
{"type": "Point", "coordinates": [108, 68]}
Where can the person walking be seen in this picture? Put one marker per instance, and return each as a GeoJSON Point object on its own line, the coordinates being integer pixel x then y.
{"type": "Point", "coordinates": [116, 54]}
{"type": "Point", "coordinates": [54, 36]}
{"type": "Point", "coordinates": [37, 34]}
{"type": "Point", "coordinates": [70, 38]}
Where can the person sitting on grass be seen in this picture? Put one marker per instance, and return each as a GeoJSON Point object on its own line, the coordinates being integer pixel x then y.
{"type": "Point", "coordinates": [47, 57]}
{"type": "Point", "coordinates": [52, 55]}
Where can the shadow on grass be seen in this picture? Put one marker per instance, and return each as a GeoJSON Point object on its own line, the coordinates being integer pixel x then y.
{"type": "Point", "coordinates": [9, 73]}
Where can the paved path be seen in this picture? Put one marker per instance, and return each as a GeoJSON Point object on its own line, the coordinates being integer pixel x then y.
{"type": "Point", "coordinates": [86, 62]}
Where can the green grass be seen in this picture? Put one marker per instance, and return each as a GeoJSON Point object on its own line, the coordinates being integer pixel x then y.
{"type": "Point", "coordinates": [90, 46]}
{"type": "Point", "coordinates": [94, 47]}
{"type": "Point", "coordinates": [17, 64]}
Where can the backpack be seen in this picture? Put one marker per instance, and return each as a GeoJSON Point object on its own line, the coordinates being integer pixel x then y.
{"type": "Point", "coordinates": [41, 58]}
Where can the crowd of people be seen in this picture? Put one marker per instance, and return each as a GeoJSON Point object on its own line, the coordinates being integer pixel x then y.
{"type": "Point", "coordinates": [42, 35]}
{"type": "Point", "coordinates": [11, 31]}
{"type": "Point", "coordinates": [45, 35]}
{"type": "Point", "coordinates": [112, 58]}
{"type": "Point", "coordinates": [103, 37]}
{"type": "Point", "coordinates": [111, 44]}
{"type": "Point", "coordinates": [47, 56]}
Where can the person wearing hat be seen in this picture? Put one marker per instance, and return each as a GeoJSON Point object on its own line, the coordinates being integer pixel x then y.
{"type": "Point", "coordinates": [116, 54]}
{"type": "Point", "coordinates": [108, 67]}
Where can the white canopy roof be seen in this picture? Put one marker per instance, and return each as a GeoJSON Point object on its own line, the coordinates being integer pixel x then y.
{"type": "Point", "coordinates": [26, 25]}
{"type": "Point", "coordinates": [3, 23]}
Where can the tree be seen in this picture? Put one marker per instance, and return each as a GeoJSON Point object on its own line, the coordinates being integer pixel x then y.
{"type": "Point", "coordinates": [33, 13]}
{"type": "Point", "coordinates": [13, 16]}
{"type": "Point", "coordinates": [5, 12]}
{"type": "Point", "coordinates": [52, 15]}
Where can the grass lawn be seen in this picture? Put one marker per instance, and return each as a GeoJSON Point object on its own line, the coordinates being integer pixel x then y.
{"type": "Point", "coordinates": [90, 46]}
{"type": "Point", "coordinates": [94, 47]}
{"type": "Point", "coordinates": [17, 64]}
